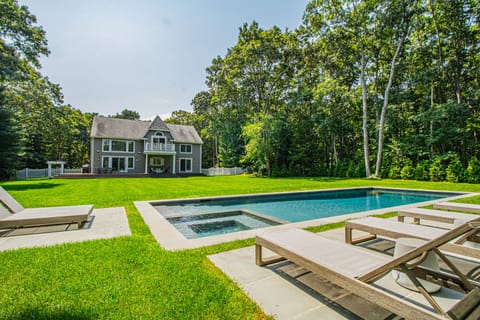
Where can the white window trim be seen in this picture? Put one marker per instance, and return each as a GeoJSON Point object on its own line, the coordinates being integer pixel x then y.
{"type": "Point", "coordinates": [180, 164]}
{"type": "Point", "coordinates": [110, 162]}
{"type": "Point", "coordinates": [186, 144]}
{"type": "Point", "coordinates": [127, 142]}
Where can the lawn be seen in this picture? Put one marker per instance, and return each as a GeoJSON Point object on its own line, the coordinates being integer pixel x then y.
{"type": "Point", "coordinates": [132, 277]}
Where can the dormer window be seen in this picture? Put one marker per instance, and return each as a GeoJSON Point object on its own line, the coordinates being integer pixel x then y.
{"type": "Point", "coordinates": [159, 138]}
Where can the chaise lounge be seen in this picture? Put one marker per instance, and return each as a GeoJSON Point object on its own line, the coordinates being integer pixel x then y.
{"type": "Point", "coordinates": [356, 269]}
{"type": "Point", "coordinates": [13, 215]}
{"type": "Point", "coordinates": [393, 229]}
{"type": "Point", "coordinates": [466, 207]}
{"type": "Point", "coordinates": [418, 214]}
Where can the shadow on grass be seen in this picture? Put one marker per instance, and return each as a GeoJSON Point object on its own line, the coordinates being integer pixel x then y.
{"type": "Point", "coordinates": [24, 187]}
{"type": "Point", "coordinates": [38, 314]}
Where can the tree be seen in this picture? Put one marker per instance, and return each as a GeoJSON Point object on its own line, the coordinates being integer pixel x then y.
{"type": "Point", "coordinates": [127, 114]}
{"type": "Point", "coordinates": [21, 45]}
{"type": "Point", "coordinates": [21, 42]}
{"type": "Point", "coordinates": [9, 143]}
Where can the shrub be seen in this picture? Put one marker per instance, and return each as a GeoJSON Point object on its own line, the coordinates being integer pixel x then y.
{"type": "Point", "coordinates": [455, 171]}
{"type": "Point", "coordinates": [436, 171]}
{"type": "Point", "coordinates": [407, 172]}
{"type": "Point", "coordinates": [473, 171]}
{"type": "Point", "coordinates": [422, 171]}
{"type": "Point", "coordinates": [395, 172]}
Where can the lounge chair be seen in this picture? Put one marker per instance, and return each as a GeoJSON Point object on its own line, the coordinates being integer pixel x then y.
{"type": "Point", "coordinates": [13, 215]}
{"type": "Point", "coordinates": [434, 215]}
{"type": "Point", "coordinates": [465, 207]}
{"type": "Point", "coordinates": [356, 269]}
{"type": "Point", "coordinates": [393, 229]}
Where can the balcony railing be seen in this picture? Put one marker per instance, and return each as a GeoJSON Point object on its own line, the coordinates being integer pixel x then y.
{"type": "Point", "coordinates": [159, 147]}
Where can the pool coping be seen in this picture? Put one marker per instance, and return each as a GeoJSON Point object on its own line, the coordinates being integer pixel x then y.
{"type": "Point", "coordinates": [171, 239]}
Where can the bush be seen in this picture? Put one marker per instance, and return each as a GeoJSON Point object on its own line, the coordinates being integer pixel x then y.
{"type": "Point", "coordinates": [395, 172]}
{"type": "Point", "coordinates": [473, 171]}
{"type": "Point", "coordinates": [422, 171]}
{"type": "Point", "coordinates": [455, 172]}
{"type": "Point", "coordinates": [407, 172]}
{"type": "Point", "coordinates": [360, 169]}
{"type": "Point", "coordinates": [436, 171]}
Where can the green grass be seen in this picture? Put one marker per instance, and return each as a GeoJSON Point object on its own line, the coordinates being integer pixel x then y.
{"type": "Point", "coordinates": [133, 277]}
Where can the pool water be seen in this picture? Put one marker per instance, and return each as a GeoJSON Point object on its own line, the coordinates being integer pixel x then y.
{"type": "Point", "coordinates": [204, 225]}
{"type": "Point", "coordinates": [288, 207]}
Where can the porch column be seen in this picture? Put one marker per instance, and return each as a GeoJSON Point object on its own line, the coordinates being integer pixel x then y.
{"type": "Point", "coordinates": [173, 167]}
{"type": "Point", "coordinates": [146, 163]}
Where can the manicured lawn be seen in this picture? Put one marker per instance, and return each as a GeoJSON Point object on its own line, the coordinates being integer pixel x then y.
{"type": "Point", "coordinates": [132, 277]}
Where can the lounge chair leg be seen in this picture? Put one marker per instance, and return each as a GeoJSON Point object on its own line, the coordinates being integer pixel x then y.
{"type": "Point", "coordinates": [263, 262]}
{"type": "Point", "coordinates": [416, 220]}
{"type": "Point", "coordinates": [258, 255]}
{"type": "Point", "coordinates": [422, 289]}
{"type": "Point", "coordinates": [348, 234]}
{"type": "Point", "coordinates": [400, 218]}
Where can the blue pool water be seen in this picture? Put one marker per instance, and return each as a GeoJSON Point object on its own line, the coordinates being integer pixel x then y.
{"type": "Point", "coordinates": [294, 207]}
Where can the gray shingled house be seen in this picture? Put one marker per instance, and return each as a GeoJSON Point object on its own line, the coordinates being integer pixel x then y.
{"type": "Point", "coordinates": [135, 146]}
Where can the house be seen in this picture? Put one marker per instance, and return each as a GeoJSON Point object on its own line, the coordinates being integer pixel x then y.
{"type": "Point", "coordinates": [135, 146]}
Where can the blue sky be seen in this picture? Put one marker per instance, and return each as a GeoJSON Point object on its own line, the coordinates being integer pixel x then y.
{"type": "Point", "coordinates": [145, 55]}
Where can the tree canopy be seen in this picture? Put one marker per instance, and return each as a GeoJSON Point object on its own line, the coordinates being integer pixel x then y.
{"type": "Point", "coordinates": [381, 87]}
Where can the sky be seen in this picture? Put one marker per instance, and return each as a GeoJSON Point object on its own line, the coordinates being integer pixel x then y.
{"type": "Point", "coordinates": [148, 56]}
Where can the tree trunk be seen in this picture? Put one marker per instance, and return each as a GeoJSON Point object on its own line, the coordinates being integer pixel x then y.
{"type": "Point", "coordinates": [366, 151]}
{"type": "Point", "coordinates": [385, 105]}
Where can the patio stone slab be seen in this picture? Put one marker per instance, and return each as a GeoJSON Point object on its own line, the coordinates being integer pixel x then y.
{"type": "Point", "coordinates": [102, 224]}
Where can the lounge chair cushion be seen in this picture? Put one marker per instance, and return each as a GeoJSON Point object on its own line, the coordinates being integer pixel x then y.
{"type": "Point", "coordinates": [347, 260]}
{"type": "Point", "coordinates": [47, 216]}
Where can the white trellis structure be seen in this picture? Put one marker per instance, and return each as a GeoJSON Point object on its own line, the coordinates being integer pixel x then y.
{"type": "Point", "coordinates": [50, 163]}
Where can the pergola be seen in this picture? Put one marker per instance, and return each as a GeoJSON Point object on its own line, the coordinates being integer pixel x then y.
{"type": "Point", "coordinates": [49, 163]}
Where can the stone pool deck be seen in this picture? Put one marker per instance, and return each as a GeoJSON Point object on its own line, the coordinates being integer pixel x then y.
{"type": "Point", "coordinates": [102, 224]}
{"type": "Point", "coordinates": [287, 291]}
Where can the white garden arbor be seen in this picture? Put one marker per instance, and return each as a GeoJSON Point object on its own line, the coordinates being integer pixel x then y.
{"type": "Point", "coordinates": [50, 163]}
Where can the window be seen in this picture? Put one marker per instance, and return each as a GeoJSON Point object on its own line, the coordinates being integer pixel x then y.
{"type": "Point", "coordinates": [118, 146]}
{"type": "Point", "coordinates": [157, 161]}
{"type": "Point", "coordinates": [118, 163]}
{"type": "Point", "coordinates": [131, 163]}
{"type": "Point", "coordinates": [159, 138]}
{"type": "Point", "coordinates": [185, 148]}
{"type": "Point", "coordinates": [106, 145]}
{"type": "Point", "coordinates": [185, 165]}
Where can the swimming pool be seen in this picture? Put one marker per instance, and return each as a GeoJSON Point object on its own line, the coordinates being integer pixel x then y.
{"type": "Point", "coordinates": [273, 209]}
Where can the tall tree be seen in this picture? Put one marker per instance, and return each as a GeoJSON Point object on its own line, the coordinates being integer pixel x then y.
{"type": "Point", "coordinates": [21, 45]}
{"type": "Point", "coordinates": [127, 114]}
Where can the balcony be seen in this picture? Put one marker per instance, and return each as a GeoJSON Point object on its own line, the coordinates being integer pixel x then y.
{"type": "Point", "coordinates": [159, 148]}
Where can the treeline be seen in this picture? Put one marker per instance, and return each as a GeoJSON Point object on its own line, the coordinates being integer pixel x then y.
{"type": "Point", "coordinates": [35, 125]}
{"type": "Point", "coordinates": [361, 88]}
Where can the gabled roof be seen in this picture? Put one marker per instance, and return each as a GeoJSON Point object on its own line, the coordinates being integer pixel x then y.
{"type": "Point", "coordinates": [158, 125]}
{"type": "Point", "coordinates": [115, 128]}
{"type": "Point", "coordinates": [184, 134]}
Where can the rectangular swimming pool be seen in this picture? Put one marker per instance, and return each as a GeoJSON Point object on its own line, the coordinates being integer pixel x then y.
{"type": "Point", "coordinates": [212, 216]}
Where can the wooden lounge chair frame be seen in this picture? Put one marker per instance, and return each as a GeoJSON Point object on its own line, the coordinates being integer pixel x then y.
{"type": "Point", "coordinates": [392, 229]}
{"type": "Point", "coordinates": [361, 268]}
{"type": "Point", "coordinates": [13, 215]}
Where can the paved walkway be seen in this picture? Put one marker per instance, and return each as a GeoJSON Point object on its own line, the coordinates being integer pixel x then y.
{"type": "Point", "coordinates": [288, 291]}
{"type": "Point", "coordinates": [103, 223]}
